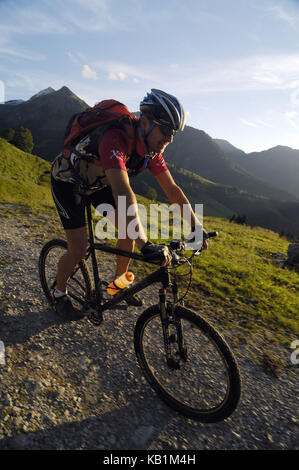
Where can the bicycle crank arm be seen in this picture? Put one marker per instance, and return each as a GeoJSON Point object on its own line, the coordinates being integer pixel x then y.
{"type": "Point", "coordinates": [94, 316]}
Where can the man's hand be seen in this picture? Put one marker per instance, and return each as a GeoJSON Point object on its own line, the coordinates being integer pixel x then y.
{"type": "Point", "coordinates": [198, 238]}
{"type": "Point", "coordinates": [157, 254]}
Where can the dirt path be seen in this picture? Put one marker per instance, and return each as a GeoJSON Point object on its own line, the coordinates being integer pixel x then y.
{"type": "Point", "coordinates": [69, 385]}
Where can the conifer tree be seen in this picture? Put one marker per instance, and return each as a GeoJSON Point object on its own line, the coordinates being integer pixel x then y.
{"type": "Point", "coordinates": [23, 139]}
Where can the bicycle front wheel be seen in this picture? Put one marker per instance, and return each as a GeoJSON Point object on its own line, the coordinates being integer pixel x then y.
{"type": "Point", "coordinates": [79, 283]}
{"type": "Point", "coordinates": [207, 384]}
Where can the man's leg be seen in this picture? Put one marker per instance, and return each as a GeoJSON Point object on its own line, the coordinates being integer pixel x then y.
{"type": "Point", "coordinates": [122, 263]}
{"type": "Point", "coordinates": [72, 214]}
{"type": "Point", "coordinates": [76, 249]}
{"type": "Point", "coordinates": [105, 196]}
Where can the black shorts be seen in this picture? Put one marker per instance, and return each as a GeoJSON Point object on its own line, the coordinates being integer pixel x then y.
{"type": "Point", "coordinates": [72, 211]}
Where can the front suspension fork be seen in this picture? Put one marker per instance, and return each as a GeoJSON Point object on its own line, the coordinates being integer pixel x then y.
{"type": "Point", "coordinates": [167, 313]}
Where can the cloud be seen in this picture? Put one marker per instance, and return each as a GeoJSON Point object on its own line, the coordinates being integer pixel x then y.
{"type": "Point", "coordinates": [139, 71]}
{"type": "Point", "coordinates": [117, 76]}
{"type": "Point", "coordinates": [266, 77]}
{"type": "Point", "coordinates": [257, 122]}
{"type": "Point", "coordinates": [19, 22]}
{"type": "Point", "coordinates": [291, 18]}
{"type": "Point", "coordinates": [264, 123]}
{"type": "Point", "coordinates": [248, 123]}
{"type": "Point", "coordinates": [24, 20]}
{"type": "Point", "coordinates": [255, 73]}
{"type": "Point", "coordinates": [76, 57]}
{"type": "Point", "coordinates": [88, 73]}
{"type": "Point", "coordinates": [291, 117]}
{"type": "Point", "coordinates": [15, 52]}
{"type": "Point", "coordinates": [91, 16]}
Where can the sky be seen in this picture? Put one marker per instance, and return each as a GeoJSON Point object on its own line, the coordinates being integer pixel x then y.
{"type": "Point", "coordinates": [233, 64]}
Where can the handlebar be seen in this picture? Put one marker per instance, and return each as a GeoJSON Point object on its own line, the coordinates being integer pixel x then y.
{"type": "Point", "coordinates": [212, 234]}
{"type": "Point", "coordinates": [178, 245]}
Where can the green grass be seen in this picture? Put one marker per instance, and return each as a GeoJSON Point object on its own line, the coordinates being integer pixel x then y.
{"type": "Point", "coordinates": [24, 178]}
{"type": "Point", "coordinates": [237, 277]}
{"type": "Point", "coordinates": [235, 281]}
{"type": "Point", "coordinates": [238, 272]}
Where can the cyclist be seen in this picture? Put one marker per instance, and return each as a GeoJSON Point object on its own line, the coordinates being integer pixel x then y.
{"type": "Point", "coordinates": [161, 116]}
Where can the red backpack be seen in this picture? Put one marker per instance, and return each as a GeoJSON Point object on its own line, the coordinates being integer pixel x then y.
{"type": "Point", "coordinates": [102, 114]}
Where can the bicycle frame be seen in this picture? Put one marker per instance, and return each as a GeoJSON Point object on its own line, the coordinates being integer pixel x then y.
{"type": "Point", "coordinates": [161, 275]}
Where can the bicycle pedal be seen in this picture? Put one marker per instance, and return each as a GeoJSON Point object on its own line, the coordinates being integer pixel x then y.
{"type": "Point", "coordinates": [95, 319]}
{"type": "Point", "coordinates": [172, 338]}
{"type": "Point", "coordinates": [94, 316]}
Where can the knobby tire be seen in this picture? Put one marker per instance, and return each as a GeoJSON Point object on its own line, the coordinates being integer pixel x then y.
{"type": "Point", "coordinates": [206, 369]}
{"type": "Point", "coordinates": [79, 285]}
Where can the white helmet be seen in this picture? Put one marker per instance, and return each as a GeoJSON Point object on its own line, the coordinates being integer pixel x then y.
{"type": "Point", "coordinates": [163, 109]}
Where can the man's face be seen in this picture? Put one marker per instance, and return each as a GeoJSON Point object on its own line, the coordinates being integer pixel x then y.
{"type": "Point", "coordinates": [157, 141]}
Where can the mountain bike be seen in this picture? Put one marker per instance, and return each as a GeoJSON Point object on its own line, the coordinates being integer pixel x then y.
{"type": "Point", "coordinates": [184, 359]}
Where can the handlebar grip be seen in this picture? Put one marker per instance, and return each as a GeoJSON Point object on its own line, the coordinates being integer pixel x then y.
{"type": "Point", "coordinates": [212, 234]}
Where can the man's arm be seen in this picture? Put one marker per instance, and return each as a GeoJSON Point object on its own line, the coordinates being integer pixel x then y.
{"type": "Point", "coordinates": [177, 196]}
{"type": "Point", "coordinates": [120, 186]}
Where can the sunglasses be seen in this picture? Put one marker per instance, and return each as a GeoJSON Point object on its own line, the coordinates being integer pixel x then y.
{"type": "Point", "coordinates": [167, 131]}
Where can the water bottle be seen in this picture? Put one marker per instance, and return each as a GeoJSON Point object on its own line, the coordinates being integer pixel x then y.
{"type": "Point", "coordinates": [120, 283]}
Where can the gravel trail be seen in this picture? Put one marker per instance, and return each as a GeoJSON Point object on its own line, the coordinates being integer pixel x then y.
{"type": "Point", "coordinates": [70, 385]}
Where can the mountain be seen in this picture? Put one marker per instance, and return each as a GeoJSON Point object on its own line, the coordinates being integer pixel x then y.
{"type": "Point", "coordinates": [46, 114]}
{"type": "Point", "coordinates": [196, 151]}
{"type": "Point", "coordinates": [42, 92]}
{"type": "Point", "coordinates": [223, 200]}
{"type": "Point", "coordinates": [235, 154]}
{"type": "Point", "coordinates": [199, 164]}
{"type": "Point", "coordinates": [279, 166]}
{"type": "Point", "coordinates": [14, 102]}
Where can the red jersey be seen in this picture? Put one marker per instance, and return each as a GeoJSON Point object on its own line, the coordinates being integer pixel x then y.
{"type": "Point", "coordinates": [112, 152]}
{"type": "Point", "coordinates": [113, 149]}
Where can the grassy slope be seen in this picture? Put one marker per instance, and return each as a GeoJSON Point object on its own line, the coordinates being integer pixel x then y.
{"type": "Point", "coordinates": [24, 178]}
{"type": "Point", "coordinates": [238, 277]}
{"type": "Point", "coordinates": [235, 278]}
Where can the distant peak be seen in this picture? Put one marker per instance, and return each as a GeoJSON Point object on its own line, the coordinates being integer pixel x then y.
{"type": "Point", "coordinates": [46, 91]}
{"type": "Point", "coordinates": [65, 90]}
{"type": "Point", "coordinates": [277, 150]}
{"type": "Point", "coordinates": [280, 147]}
{"type": "Point", "coordinates": [14, 102]}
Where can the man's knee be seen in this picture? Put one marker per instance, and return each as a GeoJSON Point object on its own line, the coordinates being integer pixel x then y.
{"type": "Point", "coordinates": [77, 253]}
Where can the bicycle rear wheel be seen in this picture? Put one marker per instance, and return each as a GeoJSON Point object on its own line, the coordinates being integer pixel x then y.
{"type": "Point", "coordinates": [207, 385]}
{"type": "Point", "coordinates": [79, 283]}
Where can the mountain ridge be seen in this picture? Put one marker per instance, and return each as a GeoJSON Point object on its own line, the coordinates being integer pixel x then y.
{"type": "Point", "coordinates": [278, 165]}
{"type": "Point", "coordinates": [46, 117]}
{"type": "Point", "coordinates": [205, 157]}
{"type": "Point", "coordinates": [192, 155]}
